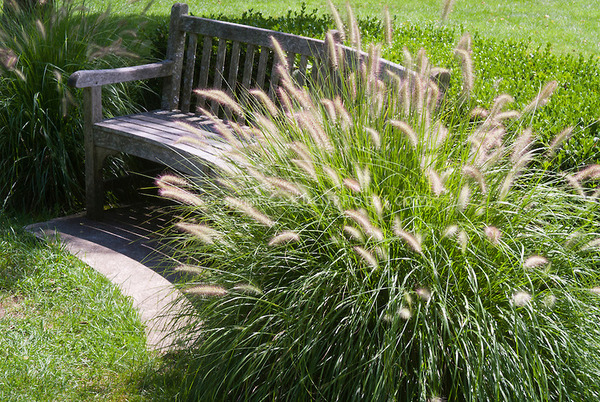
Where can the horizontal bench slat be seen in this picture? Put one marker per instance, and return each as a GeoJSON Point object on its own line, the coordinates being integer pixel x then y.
{"type": "Point", "coordinates": [257, 36]}
{"type": "Point", "coordinates": [96, 78]}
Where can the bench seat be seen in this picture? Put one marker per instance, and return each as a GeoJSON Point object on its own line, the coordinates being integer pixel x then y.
{"type": "Point", "coordinates": [159, 136]}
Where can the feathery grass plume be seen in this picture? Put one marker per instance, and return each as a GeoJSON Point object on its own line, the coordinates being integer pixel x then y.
{"type": "Point", "coordinates": [287, 187]}
{"type": "Point", "coordinates": [207, 291]}
{"type": "Point", "coordinates": [467, 70]}
{"type": "Point", "coordinates": [222, 98]}
{"type": "Point", "coordinates": [329, 109]}
{"type": "Point", "coordinates": [353, 26]}
{"type": "Point", "coordinates": [493, 234]}
{"type": "Point", "coordinates": [594, 244]}
{"type": "Point", "coordinates": [474, 173]}
{"type": "Point", "coordinates": [450, 231]}
{"type": "Point", "coordinates": [301, 150]}
{"type": "Point", "coordinates": [438, 134]}
{"type": "Point", "coordinates": [387, 25]}
{"type": "Point", "coordinates": [249, 210]}
{"type": "Point", "coordinates": [591, 172]}
{"type": "Point", "coordinates": [205, 233]}
{"type": "Point", "coordinates": [265, 101]}
{"type": "Point", "coordinates": [446, 9]}
{"type": "Point", "coordinates": [285, 100]}
{"type": "Point", "coordinates": [406, 130]}
{"type": "Point", "coordinates": [508, 115]}
{"type": "Point", "coordinates": [424, 294]}
{"type": "Point", "coordinates": [282, 59]}
{"type": "Point", "coordinates": [171, 180]}
{"type": "Point", "coordinates": [367, 257]}
{"type": "Point", "coordinates": [405, 313]}
{"type": "Point", "coordinates": [377, 205]}
{"type": "Point", "coordinates": [499, 102]}
{"type": "Point", "coordinates": [364, 177]}
{"type": "Point", "coordinates": [307, 166]}
{"type": "Point", "coordinates": [248, 289]}
{"type": "Point", "coordinates": [465, 43]}
{"type": "Point", "coordinates": [463, 240]}
{"type": "Point", "coordinates": [422, 62]}
{"type": "Point", "coordinates": [182, 196]}
{"type": "Point", "coordinates": [375, 137]}
{"type": "Point", "coordinates": [521, 298]}
{"type": "Point", "coordinates": [339, 25]}
{"type": "Point", "coordinates": [285, 237]}
{"type": "Point", "coordinates": [342, 112]}
{"type": "Point", "coordinates": [463, 197]}
{"type": "Point", "coordinates": [412, 241]}
{"type": "Point", "coordinates": [558, 140]}
{"type": "Point", "coordinates": [507, 184]}
{"type": "Point", "coordinates": [191, 269]}
{"type": "Point", "coordinates": [332, 53]}
{"type": "Point", "coordinates": [352, 184]}
{"type": "Point", "coordinates": [595, 290]}
{"type": "Point", "coordinates": [549, 301]}
{"type": "Point", "coordinates": [521, 147]}
{"type": "Point", "coordinates": [542, 98]}
{"type": "Point", "coordinates": [354, 233]}
{"type": "Point", "coordinates": [407, 58]}
{"type": "Point", "coordinates": [436, 183]}
{"type": "Point", "coordinates": [333, 176]}
{"type": "Point", "coordinates": [365, 223]}
{"type": "Point", "coordinates": [574, 183]}
{"type": "Point", "coordinates": [535, 261]}
{"type": "Point", "coordinates": [309, 123]}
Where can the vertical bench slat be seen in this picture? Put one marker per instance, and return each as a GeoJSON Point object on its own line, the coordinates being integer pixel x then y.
{"type": "Point", "coordinates": [219, 70]}
{"type": "Point", "coordinates": [248, 66]}
{"type": "Point", "coordinates": [188, 75]}
{"type": "Point", "coordinates": [204, 67]}
{"type": "Point", "coordinates": [234, 67]}
{"type": "Point", "coordinates": [262, 67]}
{"type": "Point", "coordinates": [175, 50]}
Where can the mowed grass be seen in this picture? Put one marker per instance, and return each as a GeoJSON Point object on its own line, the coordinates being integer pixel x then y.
{"type": "Point", "coordinates": [571, 26]}
{"type": "Point", "coordinates": [66, 333]}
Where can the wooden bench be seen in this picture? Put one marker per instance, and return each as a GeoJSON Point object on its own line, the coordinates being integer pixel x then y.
{"type": "Point", "coordinates": [244, 59]}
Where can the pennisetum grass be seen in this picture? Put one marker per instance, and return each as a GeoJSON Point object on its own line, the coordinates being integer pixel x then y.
{"type": "Point", "coordinates": [409, 251]}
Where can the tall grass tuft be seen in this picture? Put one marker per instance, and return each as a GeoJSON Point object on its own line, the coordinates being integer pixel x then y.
{"type": "Point", "coordinates": [41, 141]}
{"type": "Point", "coordinates": [422, 255]}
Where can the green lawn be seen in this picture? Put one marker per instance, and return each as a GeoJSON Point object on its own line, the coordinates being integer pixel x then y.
{"type": "Point", "coordinates": [571, 25]}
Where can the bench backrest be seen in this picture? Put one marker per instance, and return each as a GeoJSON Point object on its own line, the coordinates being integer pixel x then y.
{"type": "Point", "coordinates": [233, 57]}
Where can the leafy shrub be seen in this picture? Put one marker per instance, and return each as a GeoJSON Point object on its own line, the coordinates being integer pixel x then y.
{"type": "Point", "coordinates": [41, 141]}
{"type": "Point", "coordinates": [378, 242]}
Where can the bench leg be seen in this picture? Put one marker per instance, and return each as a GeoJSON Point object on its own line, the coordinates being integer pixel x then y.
{"type": "Point", "coordinates": [94, 186]}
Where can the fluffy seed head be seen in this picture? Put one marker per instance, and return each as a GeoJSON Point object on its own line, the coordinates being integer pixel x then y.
{"type": "Point", "coordinates": [354, 233]}
{"type": "Point", "coordinates": [222, 98]}
{"type": "Point", "coordinates": [406, 130]}
{"type": "Point", "coordinates": [367, 257]}
{"type": "Point", "coordinates": [549, 301]}
{"type": "Point", "coordinates": [405, 313]}
{"type": "Point", "coordinates": [249, 210]}
{"type": "Point", "coordinates": [182, 196]}
{"type": "Point", "coordinates": [412, 241]}
{"type": "Point", "coordinates": [284, 237]}
{"type": "Point", "coordinates": [521, 298]}
{"type": "Point", "coordinates": [542, 98]}
{"type": "Point", "coordinates": [592, 172]}
{"type": "Point", "coordinates": [596, 290]}
{"type": "Point", "coordinates": [493, 234]}
{"type": "Point", "coordinates": [535, 261]}
{"type": "Point", "coordinates": [247, 289]}
{"type": "Point", "coordinates": [559, 139]}
{"type": "Point", "coordinates": [207, 291]}
{"type": "Point", "coordinates": [265, 100]}
{"type": "Point", "coordinates": [436, 184]}
{"type": "Point", "coordinates": [205, 233]}
{"type": "Point", "coordinates": [464, 197]}
{"type": "Point", "coordinates": [424, 294]}
{"type": "Point", "coordinates": [352, 184]}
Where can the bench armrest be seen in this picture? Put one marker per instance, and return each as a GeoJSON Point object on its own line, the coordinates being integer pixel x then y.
{"type": "Point", "coordinates": [96, 78]}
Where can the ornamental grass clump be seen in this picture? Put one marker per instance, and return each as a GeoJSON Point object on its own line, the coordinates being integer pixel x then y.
{"type": "Point", "coordinates": [372, 243]}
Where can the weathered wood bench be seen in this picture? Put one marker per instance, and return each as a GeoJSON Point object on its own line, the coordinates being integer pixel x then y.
{"type": "Point", "coordinates": [244, 59]}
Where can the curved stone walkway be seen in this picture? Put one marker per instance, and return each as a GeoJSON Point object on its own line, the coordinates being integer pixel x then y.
{"type": "Point", "coordinates": [124, 247]}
